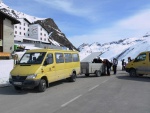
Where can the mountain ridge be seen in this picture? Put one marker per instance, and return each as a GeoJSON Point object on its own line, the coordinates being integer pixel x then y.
{"type": "Point", "coordinates": [121, 49]}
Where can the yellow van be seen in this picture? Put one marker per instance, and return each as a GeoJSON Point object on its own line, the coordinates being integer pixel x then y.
{"type": "Point", "coordinates": [140, 65]}
{"type": "Point", "coordinates": [39, 67]}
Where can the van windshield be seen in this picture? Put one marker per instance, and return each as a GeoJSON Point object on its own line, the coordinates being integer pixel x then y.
{"type": "Point", "coordinates": [32, 58]}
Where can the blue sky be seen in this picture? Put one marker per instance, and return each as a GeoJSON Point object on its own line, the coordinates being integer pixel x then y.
{"type": "Point", "coordinates": [89, 21]}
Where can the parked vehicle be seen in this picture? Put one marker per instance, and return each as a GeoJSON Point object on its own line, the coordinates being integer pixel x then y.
{"type": "Point", "coordinates": [87, 67]}
{"type": "Point", "coordinates": [39, 67]}
{"type": "Point", "coordinates": [140, 65]}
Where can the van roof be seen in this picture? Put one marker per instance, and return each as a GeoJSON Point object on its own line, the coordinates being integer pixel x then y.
{"type": "Point", "coordinates": [46, 50]}
{"type": "Point", "coordinates": [145, 52]}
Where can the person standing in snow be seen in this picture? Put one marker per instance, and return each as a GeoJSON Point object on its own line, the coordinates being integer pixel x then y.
{"type": "Point", "coordinates": [115, 63]}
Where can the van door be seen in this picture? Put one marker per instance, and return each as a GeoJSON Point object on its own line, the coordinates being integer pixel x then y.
{"type": "Point", "coordinates": [49, 68]}
{"type": "Point", "coordinates": [149, 62]}
{"type": "Point", "coordinates": [60, 69]}
{"type": "Point", "coordinates": [140, 64]}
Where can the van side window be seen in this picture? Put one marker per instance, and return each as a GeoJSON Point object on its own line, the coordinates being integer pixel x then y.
{"type": "Point", "coordinates": [141, 57]}
{"type": "Point", "coordinates": [75, 57]}
{"type": "Point", "coordinates": [68, 57]}
{"type": "Point", "coordinates": [49, 58]}
{"type": "Point", "coordinates": [59, 57]}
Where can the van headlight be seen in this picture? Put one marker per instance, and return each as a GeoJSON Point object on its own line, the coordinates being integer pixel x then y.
{"type": "Point", "coordinates": [31, 76]}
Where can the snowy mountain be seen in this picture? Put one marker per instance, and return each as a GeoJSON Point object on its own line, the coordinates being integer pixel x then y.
{"type": "Point", "coordinates": [121, 49]}
{"type": "Point", "coordinates": [55, 34]}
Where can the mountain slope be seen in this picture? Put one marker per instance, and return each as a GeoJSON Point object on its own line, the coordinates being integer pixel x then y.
{"type": "Point", "coordinates": [121, 49]}
{"type": "Point", "coordinates": [47, 23]}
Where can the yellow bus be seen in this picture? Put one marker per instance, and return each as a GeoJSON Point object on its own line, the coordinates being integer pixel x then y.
{"type": "Point", "coordinates": [39, 67]}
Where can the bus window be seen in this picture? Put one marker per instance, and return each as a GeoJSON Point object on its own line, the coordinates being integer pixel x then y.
{"type": "Point", "coordinates": [68, 57]}
{"type": "Point", "coordinates": [49, 59]}
{"type": "Point", "coordinates": [59, 58]}
{"type": "Point", "coordinates": [75, 57]}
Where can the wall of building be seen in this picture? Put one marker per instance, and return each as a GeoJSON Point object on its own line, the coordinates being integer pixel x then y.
{"type": "Point", "coordinates": [43, 35]}
{"type": "Point", "coordinates": [34, 31]}
{"type": "Point", "coordinates": [38, 32]}
{"type": "Point", "coordinates": [8, 36]}
{"type": "Point", "coordinates": [21, 30]}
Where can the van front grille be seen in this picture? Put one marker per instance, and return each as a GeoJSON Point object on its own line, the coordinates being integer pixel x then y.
{"type": "Point", "coordinates": [19, 78]}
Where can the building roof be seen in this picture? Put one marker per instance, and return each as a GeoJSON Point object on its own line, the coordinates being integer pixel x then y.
{"type": "Point", "coordinates": [4, 15]}
{"type": "Point", "coordinates": [25, 20]}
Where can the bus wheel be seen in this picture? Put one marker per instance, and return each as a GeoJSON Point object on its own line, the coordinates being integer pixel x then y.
{"type": "Point", "coordinates": [133, 73]}
{"type": "Point", "coordinates": [42, 85]}
{"type": "Point", "coordinates": [73, 77]}
{"type": "Point", "coordinates": [98, 73]}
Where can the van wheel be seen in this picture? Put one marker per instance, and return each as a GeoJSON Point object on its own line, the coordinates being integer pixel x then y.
{"type": "Point", "coordinates": [98, 73]}
{"type": "Point", "coordinates": [17, 88]}
{"type": "Point", "coordinates": [140, 75]}
{"type": "Point", "coordinates": [132, 73]}
{"type": "Point", "coordinates": [72, 78]}
{"type": "Point", "coordinates": [42, 85]}
{"type": "Point", "coordinates": [87, 75]}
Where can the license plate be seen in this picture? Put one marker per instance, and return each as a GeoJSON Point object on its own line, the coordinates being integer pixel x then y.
{"type": "Point", "coordinates": [18, 83]}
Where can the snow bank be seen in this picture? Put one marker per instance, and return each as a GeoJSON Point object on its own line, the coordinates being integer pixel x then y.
{"type": "Point", "coordinates": [5, 67]}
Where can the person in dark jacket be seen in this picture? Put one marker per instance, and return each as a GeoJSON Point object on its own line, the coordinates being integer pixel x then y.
{"type": "Point", "coordinates": [94, 60]}
{"type": "Point", "coordinates": [115, 63]}
{"type": "Point", "coordinates": [123, 65]}
{"type": "Point", "coordinates": [107, 66]}
{"type": "Point", "coordinates": [99, 60]}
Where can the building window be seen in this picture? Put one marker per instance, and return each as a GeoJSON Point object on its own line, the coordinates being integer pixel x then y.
{"type": "Point", "coordinates": [44, 39]}
{"type": "Point", "coordinates": [41, 38]}
{"type": "Point", "coordinates": [24, 34]}
{"type": "Point", "coordinates": [28, 34]}
{"type": "Point", "coordinates": [41, 33]}
{"type": "Point", "coordinates": [24, 29]}
{"type": "Point", "coordinates": [15, 26]}
{"type": "Point", "coordinates": [44, 34]}
{"type": "Point", "coordinates": [15, 32]}
{"type": "Point", "coordinates": [20, 33]}
{"type": "Point", "coordinates": [20, 27]}
{"type": "Point", "coordinates": [24, 24]}
{"type": "Point", "coordinates": [41, 29]}
{"type": "Point", "coordinates": [28, 29]}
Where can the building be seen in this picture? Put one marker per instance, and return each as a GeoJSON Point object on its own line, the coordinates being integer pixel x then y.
{"type": "Point", "coordinates": [29, 32]}
{"type": "Point", "coordinates": [7, 32]}
{"type": "Point", "coordinates": [39, 33]}
{"type": "Point", "coordinates": [21, 30]}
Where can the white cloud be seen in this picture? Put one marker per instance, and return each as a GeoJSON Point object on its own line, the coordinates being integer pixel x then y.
{"type": "Point", "coordinates": [136, 22]}
{"type": "Point", "coordinates": [68, 6]}
{"type": "Point", "coordinates": [134, 26]}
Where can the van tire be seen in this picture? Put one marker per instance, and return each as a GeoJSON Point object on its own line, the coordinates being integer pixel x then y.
{"type": "Point", "coordinates": [133, 73]}
{"type": "Point", "coordinates": [17, 88]}
{"type": "Point", "coordinates": [72, 78]}
{"type": "Point", "coordinates": [140, 75]}
{"type": "Point", "coordinates": [42, 86]}
{"type": "Point", "coordinates": [87, 75]}
{"type": "Point", "coordinates": [98, 73]}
